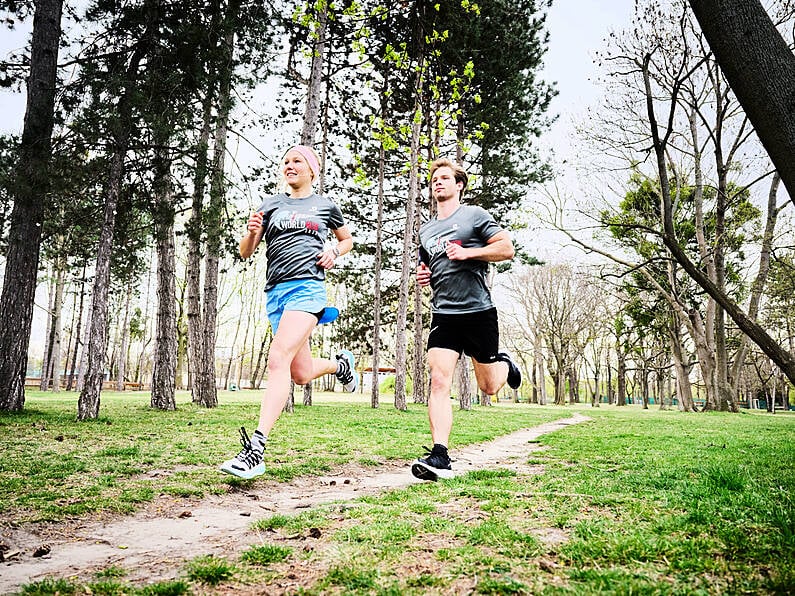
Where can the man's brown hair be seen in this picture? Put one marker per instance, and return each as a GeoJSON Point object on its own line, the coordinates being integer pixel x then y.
{"type": "Point", "coordinates": [458, 172]}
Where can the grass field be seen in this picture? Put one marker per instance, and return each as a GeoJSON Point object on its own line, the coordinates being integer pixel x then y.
{"type": "Point", "coordinates": [634, 502]}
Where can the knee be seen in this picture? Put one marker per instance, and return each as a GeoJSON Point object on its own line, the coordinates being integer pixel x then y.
{"type": "Point", "coordinates": [489, 387]}
{"type": "Point", "coordinates": [440, 383]}
{"type": "Point", "coordinates": [301, 377]}
{"type": "Point", "coordinates": [278, 360]}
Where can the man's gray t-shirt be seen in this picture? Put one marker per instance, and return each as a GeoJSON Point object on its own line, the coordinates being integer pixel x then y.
{"type": "Point", "coordinates": [296, 231]}
{"type": "Point", "coordinates": [458, 286]}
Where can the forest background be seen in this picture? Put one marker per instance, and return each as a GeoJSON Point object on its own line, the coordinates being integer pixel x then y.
{"type": "Point", "coordinates": [168, 125]}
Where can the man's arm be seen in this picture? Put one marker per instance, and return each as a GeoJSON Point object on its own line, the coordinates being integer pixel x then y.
{"type": "Point", "coordinates": [498, 248]}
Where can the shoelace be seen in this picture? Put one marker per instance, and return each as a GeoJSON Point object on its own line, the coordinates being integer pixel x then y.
{"type": "Point", "coordinates": [247, 455]}
{"type": "Point", "coordinates": [431, 452]}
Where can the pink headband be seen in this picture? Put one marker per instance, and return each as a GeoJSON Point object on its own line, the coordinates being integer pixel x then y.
{"type": "Point", "coordinates": [309, 156]}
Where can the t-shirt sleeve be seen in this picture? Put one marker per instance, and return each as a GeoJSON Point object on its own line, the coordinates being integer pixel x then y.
{"type": "Point", "coordinates": [485, 225]}
{"type": "Point", "coordinates": [423, 256]}
{"type": "Point", "coordinates": [335, 220]}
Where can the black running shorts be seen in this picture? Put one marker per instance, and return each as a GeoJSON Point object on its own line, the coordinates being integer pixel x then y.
{"type": "Point", "coordinates": [476, 334]}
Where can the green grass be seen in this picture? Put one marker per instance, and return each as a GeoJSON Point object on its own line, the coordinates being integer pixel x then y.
{"type": "Point", "coordinates": [55, 467]}
{"type": "Point", "coordinates": [633, 502]}
{"type": "Point", "coordinates": [210, 570]}
{"type": "Point", "coordinates": [647, 502]}
{"type": "Point", "coordinates": [265, 554]}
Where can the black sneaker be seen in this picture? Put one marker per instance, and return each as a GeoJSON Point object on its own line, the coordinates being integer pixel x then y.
{"type": "Point", "coordinates": [435, 465]}
{"type": "Point", "coordinates": [248, 463]}
{"type": "Point", "coordinates": [514, 374]}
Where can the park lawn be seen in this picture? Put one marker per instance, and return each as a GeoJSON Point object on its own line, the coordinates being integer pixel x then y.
{"type": "Point", "coordinates": [633, 502]}
{"type": "Point", "coordinates": [54, 467]}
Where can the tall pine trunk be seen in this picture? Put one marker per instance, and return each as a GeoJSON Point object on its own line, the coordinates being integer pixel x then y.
{"type": "Point", "coordinates": [204, 382]}
{"type": "Point", "coordinates": [164, 369]}
{"type": "Point", "coordinates": [196, 353]}
{"type": "Point", "coordinates": [121, 358]}
{"type": "Point", "coordinates": [31, 200]}
{"type": "Point", "coordinates": [408, 264]}
{"type": "Point", "coordinates": [88, 402]}
{"type": "Point", "coordinates": [377, 265]}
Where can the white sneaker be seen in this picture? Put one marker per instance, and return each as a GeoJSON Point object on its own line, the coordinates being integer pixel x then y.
{"type": "Point", "coordinates": [248, 463]}
{"type": "Point", "coordinates": [346, 371]}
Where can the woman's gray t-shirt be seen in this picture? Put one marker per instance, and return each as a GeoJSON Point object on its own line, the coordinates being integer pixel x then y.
{"type": "Point", "coordinates": [458, 286]}
{"type": "Point", "coordinates": [296, 231]}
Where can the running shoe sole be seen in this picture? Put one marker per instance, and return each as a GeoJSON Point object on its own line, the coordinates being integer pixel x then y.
{"type": "Point", "coordinates": [352, 363]}
{"type": "Point", "coordinates": [423, 471]}
{"type": "Point", "coordinates": [257, 470]}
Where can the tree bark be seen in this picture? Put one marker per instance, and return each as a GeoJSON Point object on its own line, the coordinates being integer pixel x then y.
{"type": "Point", "coordinates": [312, 109]}
{"type": "Point", "coordinates": [164, 369]}
{"type": "Point", "coordinates": [760, 68]}
{"type": "Point", "coordinates": [31, 200]}
{"type": "Point", "coordinates": [379, 238]}
{"type": "Point", "coordinates": [408, 264]}
{"type": "Point", "coordinates": [121, 358]}
{"type": "Point", "coordinates": [196, 355]}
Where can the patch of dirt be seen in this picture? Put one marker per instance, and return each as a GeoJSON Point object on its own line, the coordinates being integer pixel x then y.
{"type": "Point", "coordinates": [153, 544]}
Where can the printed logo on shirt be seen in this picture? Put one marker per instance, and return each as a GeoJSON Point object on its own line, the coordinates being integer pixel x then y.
{"type": "Point", "coordinates": [292, 220]}
{"type": "Point", "coordinates": [438, 243]}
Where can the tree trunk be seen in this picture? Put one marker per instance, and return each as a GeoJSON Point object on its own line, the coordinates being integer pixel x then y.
{"type": "Point", "coordinates": [540, 382]}
{"type": "Point", "coordinates": [164, 369]}
{"type": "Point", "coordinates": [684, 389]}
{"type": "Point", "coordinates": [610, 391]}
{"type": "Point", "coordinates": [784, 359]}
{"type": "Point", "coordinates": [84, 334]}
{"type": "Point", "coordinates": [621, 374]}
{"type": "Point", "coordinates": [760, 67]}
{"type": "Point", "coordinates": [31, 199]}
{"type": "Point", "coordinates": [88, 402]}
{"type": "Point", "coordinates": [182, 337]}
{"type": "Point", "coordinates": [262, 353]}
{"type": "Point", "coordinates": [289, 405]}
{"type": "Point", "coordinates": [44, 377]}
{"type": "Point", "coordinates": [196, 357]}
{"type": "Point", "coordinates": [74, 334]}
{"type": "Point", "coordinates": [407, 267]}
{"type": "Point", "coordinates": [312, 109]}
{"type": "Point", "coordinates": [463, 382]}
{"type": "Point", "coordinates": [379, 238]}
{"type": "Point", "coordinates": [55, 364]}
{"type": "Point", "coordinates": [204, 382]}
{"type": "Point", "coordinates": [418, 369]}
{"type": "Point", "coordinates": [574, 385]}
{"type": "Point", "coordinates": [121, 358]}
{"type": "Point", "coordinates": [758, 285]}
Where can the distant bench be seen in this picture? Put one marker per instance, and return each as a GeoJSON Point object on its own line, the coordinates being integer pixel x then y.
{"type": "Point", "coordinates": [35, 383]}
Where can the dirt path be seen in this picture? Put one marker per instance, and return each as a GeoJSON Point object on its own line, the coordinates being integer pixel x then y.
{"type": "Point", "coordinates": [155, 542]}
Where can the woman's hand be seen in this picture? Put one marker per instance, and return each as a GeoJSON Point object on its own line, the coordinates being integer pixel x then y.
{"type": "Point", "coordinates": [254, 223]}
{"type": "Point", "coordinates": [327, 258]}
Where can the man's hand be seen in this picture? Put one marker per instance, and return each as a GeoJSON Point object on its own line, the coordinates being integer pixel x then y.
{"type": "Point", "coordinates": [423, 275]}
{"type": "Point", "coordinates": [456, 252]}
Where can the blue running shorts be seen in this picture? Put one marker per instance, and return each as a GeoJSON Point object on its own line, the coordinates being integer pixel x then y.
{"type": "Point", "coordinates": [305, 295]}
